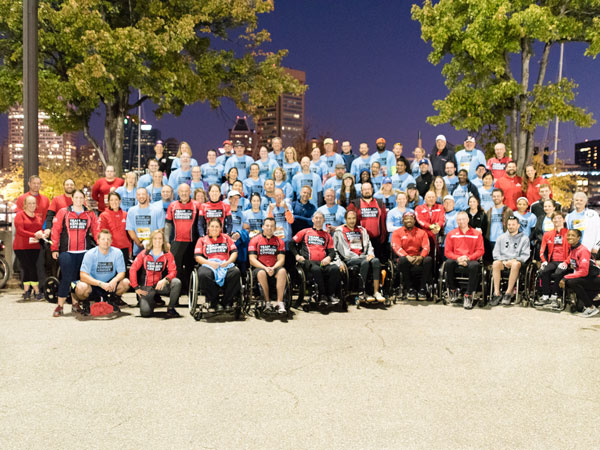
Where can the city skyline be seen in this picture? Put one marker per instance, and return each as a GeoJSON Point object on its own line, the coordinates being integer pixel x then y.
{"type": "Point", "coordinates": [368, 76]}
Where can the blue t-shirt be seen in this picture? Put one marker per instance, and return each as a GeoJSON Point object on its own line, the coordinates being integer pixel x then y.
{"type": "Point", "coordinates": [287, 189]}
{"type": "Point", "coordinates": [251, 186]}
{"type": "Point", "coordinates": [178, 177]}
{"type": "Point", "coordinates": [485, 196]}
{"type": "Point", "coordinates": [333, 183]}
{"type": "Point", "coordinates": [128, 199]}
{"type": "Point", "coordinates": [469, 161]}
{"type": "Point", "coordinates": [212, 173]}
{"type": "Point", "coordinates": [222, 159]}
{"type": "Point", "coordinates": [103, 267]}
{"type": "Point", "coordinates": [450, 221]}
{"type": "Point", "coordinates": [401, 181]}
{"type": "Point", "coordinates": [308, 179]}
{"type": "Point", "coordinates": [328, 163]}
{"type": "Point", "coordinates": [146, 180]}
{"type": "Point", "coordinates": [389, 201]}
{"type": "Point", "coordinates": [237, 219]}
{"type": "Point", "coordinates": [266, 168]}
{"type": "Point", "coordinates": [359, 165]}
{"type": "Point", "coordinates": [395, 220]}
{"type": "Point", "coordinates": [461, 197]}
{"type": "Point", "coordinates": [283, 229]}
{"type": "Point", "coordinates": [496, 227]}
{"type": "Point", "coordinates": [316, 169]}
{"type": "Point", "coordinates": [254, 220]}
{"type": "Point", "coordinates": [277, 158]}
{"type": "Point", "coordinates": [377, 182]}
{"type": "Point", "coordinates": [144, 221]}
{"type": "Point", "coordinates": [385, 159]}
{"type": "Point", "coordinates": [527, 222]}
{"type": "Point", "coordinates": [451, 182]}
{"type": "Point", "coordinates": [176, 164]}
{"type": "Point", "coordinates": [242, 164]}
{"type": "Point", "coordinates": [291, 169]}
{"type": "Point", "coordinates": [154, 193]}
{"type": "Point", "coordinates": [334, 216]}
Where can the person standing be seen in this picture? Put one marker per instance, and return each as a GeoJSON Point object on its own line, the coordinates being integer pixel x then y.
{"type": "Point", "coordinates": [105, 186]}
{"type": "Point", "coordinates": [585, 220]}
{"type": "Point", "coordinates": [497, 164]}
{"type": "Point", "coordinates": [385, 158]}
{"type": "Point", "coordinates": [363, 162]}
{"type": "Point", "coordinates": [164, 163]}
{"type": "Point", "coordinates": [470, 158]}
{"type": "Point", "coordinates": [371, 215]}
{"type": "Point", "coordinates": [330, 160]}
{"type": "Point", "coordinates": [347, 154]}
{"type": "Point", "coordinates": [153, 167]}
{"type": "Point", "coordinates": [142, 220]}
{"type": "Point", "coordinates": [511, 185]}
{"type": "Point", "coordinates": [441, 154]}
{"type": "Point", "coordinates": [240, 161]}
{"type": "Point", "coordinates": [114, 219]}
{"type": "Point", "coordinates": [60, 201]}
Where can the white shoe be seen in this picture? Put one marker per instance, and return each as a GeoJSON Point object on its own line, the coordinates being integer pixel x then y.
{"type": "Point", "coordinates": [379, 297]}
{"type": "Point", "coordinates": [590, 312]}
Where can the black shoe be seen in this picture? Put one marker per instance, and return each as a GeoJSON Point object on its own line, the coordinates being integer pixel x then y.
{"type": "Point", "coordinates": [323, 302]}
{"type": "Point", "coordinates": [172, 313]}
{"type": "Point", "coordinates": [159, 302]}
{"type": "Point", "coordinates": [506, 299]}
{"type": "Point", "coordinates": [228, 308]}
{"type": "Point", "coordinates": [220, 308]}
{"type": "Point", "coordinates": [422, 295]}
{"type": "Point", "coordinates": [412, 295]}
{"type": "Point", "coordinates": [495, 301]}
{"type": "Point", "coordinates": [453, 296]}
{"type": "Point", "coordinates": [333, 300]}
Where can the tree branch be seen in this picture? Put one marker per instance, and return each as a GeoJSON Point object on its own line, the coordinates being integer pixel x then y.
{"type": "Point", "coordinates": [138, 103]}
{"type": "Point", "coordinates": [91, 140]}
{"type": "Point", "coordinates": [544, 63]}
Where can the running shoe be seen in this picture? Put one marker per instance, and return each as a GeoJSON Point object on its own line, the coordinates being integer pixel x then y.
{"type": "Point", "coordinates": [590, 311]}
{"type": "Point", "coordinates": [506, 299]}
{"type": "Point", "coordinates": [281, 308]}
{"type": "Point", "coordinates": [495, 301]}
{"type": "Point", "coordinates": [172, 313]}
{"type": "Point", "coordinates": [468, 301]}
{"type": "Point", "coordinates": [379, 297]}
{"type": "Point", "coordinates": [58, 311]}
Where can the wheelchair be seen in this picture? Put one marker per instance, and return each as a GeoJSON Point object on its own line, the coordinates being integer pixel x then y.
{"type": "Point", "coordinates": [522, 289]}
{"type": "Point", "coordinates": [308, 292]}
{"type": "Point", "coordinates": [481, 296]}
{"type": "Point", "coordinates": [199, 307]}
{"type": "Point", "coordinates": [567, 299]}
{"type": "Point", "coordinates": [255, 297]}
{"type": "Point", "coordinates": [351, 280]}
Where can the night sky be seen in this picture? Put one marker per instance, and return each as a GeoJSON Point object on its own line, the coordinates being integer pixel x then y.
{"type": "Point", "coordinates": [368, 76]}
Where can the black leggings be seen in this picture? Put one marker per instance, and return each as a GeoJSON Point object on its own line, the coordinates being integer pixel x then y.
{"type": "Point", "coordinates": [473, 269]}
{"type": "Point", "coordinates": [320, 273]}
{"type": "Point", "coordinates": [585, 288]}
{"type": "Point", "coordinates": [28, 260]}
{"type": "Point", "coordinates": [550, 276]}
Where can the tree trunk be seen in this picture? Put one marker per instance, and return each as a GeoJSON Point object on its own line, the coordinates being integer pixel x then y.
{"type": "Point", "coordinates": [521, 153]}
{"type": "Point", "coordinates": [114, 130]}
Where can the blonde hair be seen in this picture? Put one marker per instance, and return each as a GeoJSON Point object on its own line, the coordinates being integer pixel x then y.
{"type": "Point", "coordinates": [182, 146]}
{"type": "Point", "coordinates": [293, 153]}
{"type": "Point", "coordinates": [165, 246]}
{"type": "Point", "coordinates": [283, 173]}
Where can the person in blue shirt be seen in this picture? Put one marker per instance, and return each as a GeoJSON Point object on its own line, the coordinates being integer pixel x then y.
{"type": "Point", "coordinates": [387, 194]}
{"type": "Point", "coordinates": [197, 182]}
{"type": "Point", "coordinates": [332, 212]}
{"type": "Point", "coordinates": [290, 162]}
{"type": "Point", "coordinates": [239, 187]}
{"type": "Point", "coordinates": [146, 179]}
{"type": "Point", "coordinates": [227, 153]}
{"type": "Point", "coordinates": [266, 164]}
{"type": "Point", "coordinates": [254, 217]}
{"type": "Point", "coordinates": [102, 273]}
{"type": "Point", "coordinates": [254, 183]}
{"type": "Point", "coordinates": [450, 214]}
{"type": "Point", "coordinates": [303, 210]}
{"type": "Point", "coordinates": [385, 158]}
{"type": "Point", "coordinates": [335, 182]}
{"type": "Point", "coordinates": [330, 159]}
{"type": "Point", "coordinates": [485, 191]}
{"type": "Point", "coordinates": [479, 172]}
{"type": "Point", "coordinates": [413, 199]}
{"type": "Point", "coordinates": [419, 155]}
{"type": "Point", "coordinates": [142, 220]}
{"type": "Point", "coordinates": [315, 162]}
{"type": "Point", "coordinates": [363, 162]}
{"type": "Point", "coordinates": [154, 189]}
{"type": "Point", "coordinates": [281, 182]}
{"type": "Point", "coordinates": [127, 192]}
{"type": "Point", "coordinates": [307, 178]}
{"type": "Point", "coordinates": [237, 214]}
{"type": "Point", "coordinates": [450, 178]}
{"type": "Point", "coordinates": [166, 197]}
{"type": "Point", "coordinates": [347, 154]}
{"type": "Point", "coordinates": [239, 160]}
{"type": "Point", "coordinates": [395, 216]}
{"type": "Point", "coordinates": [279, 210]}
{"type": "Point", "coordinates": [402, 178]}
{"type": "Point", "coordinates": [497, 216]}
{"type": "Point", "coordinates": [376, 176]}
{"type": "Point", "coordinates": [212, 173]}
{"type": "Point", "coordinates": [277, 153]}
{"type": "Point", "coordinates": [181, 175]}
{"type": "Point", "coordinates": [527, 220]}
{"type": "Point", "coordinates": [184, 147]}
{"type": "Point", "coordinates": [463, 190]}
{"type": "Point", "coordinates": [469, 158]}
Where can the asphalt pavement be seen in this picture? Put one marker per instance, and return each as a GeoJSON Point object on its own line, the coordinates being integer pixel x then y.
{"type": "Point", "coordinates": [413, 376]}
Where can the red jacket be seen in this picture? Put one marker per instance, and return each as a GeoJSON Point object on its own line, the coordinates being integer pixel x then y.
{"type": "Point", "coordinates": [72, 232]}
{"type": "Point", "coordinates": [25, 229]}
{"type": "Point", "coordinates": [428, 216]}
{"type": "Point", "coordinates": [42, 204]}
{"type": "Point", "coordinates": [533, 189]}
{"type": "Point", "coordinates": [548, 243]}
{"type": "Point", "coordinates": [581, 262]}
{"type": "Point", "coordinates": [371, 216]}
{"type": "Point", "coordinates": [498, 166]}
{"type": "Point", "coordinates": [153, 270]}
{"type": "Point", "coordinates": [410, 242]}
{"type": "Point", "coordinates": [114, 221]}
{"type": "Point", "coordinates": [101, 189]}
{"type": "Point", "coordinates": [512, 189]}
{"type": "Point", "coordinates": [469, 243]}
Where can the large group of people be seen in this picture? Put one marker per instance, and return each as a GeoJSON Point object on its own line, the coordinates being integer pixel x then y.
{"type": "Point", "coordinates": [323, 213]}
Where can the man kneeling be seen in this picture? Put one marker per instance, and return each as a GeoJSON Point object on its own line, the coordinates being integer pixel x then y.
{"type": "Point", "coordinates": [354, 247]}
{"type": "Point", "coordinates": [510, 252]}
{"type": "Point", "coordinates": [102, 273]}
{"type": "Point", "coordinates": [267, 255]}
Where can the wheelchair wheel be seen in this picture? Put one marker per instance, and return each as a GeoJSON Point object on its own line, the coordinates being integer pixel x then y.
{"type": "Point", "coordinates": [51, 289]}
{"type": "Point", "coordinates": [242, 304]}
{"type": "Point", "coordinates": [195, 312]}
{"type": "Point", "coordinates": [441, 287]}
{"type": "Point", "coordinates": [484, 283]}
{"type": "Point", "coordinates": [301, 289]}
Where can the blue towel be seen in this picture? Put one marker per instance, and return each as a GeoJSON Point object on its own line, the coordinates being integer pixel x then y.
{"type": "Point", "coordinates": [221, 272]}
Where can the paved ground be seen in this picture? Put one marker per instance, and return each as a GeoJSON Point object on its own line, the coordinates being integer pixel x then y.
{"type": "Point", "coordinates": [414, 376]}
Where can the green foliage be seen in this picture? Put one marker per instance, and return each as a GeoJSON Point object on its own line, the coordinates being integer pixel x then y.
{"type": "Point", "coordinates": [177, 52]}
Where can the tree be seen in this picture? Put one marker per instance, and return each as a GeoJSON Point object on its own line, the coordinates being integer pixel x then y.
{"type": "Point", "coordinates": [489, 50]}
{"type": "Point", "coordinates": [98, 53]}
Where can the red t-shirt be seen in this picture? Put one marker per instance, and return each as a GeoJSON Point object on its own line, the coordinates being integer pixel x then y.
{"type": "Point", "coordinates": [498, 166]}
{"type": "Point", "coordinates": [315, 243]}
{"type": "Point", "coordinates": [266, 250]}
{"type": "Point", "coordinates": [369, 217]}
{"type": "Point", "coordinates": [101, 189]}
{"type": "Point", "coordinates": [219, 248]}
{"type": "Point", "coordinates": [115, 221]}
{"type": "Point", "coordinates": [533, 189]}
{"type": "Point", "coordinates": [183, 217]}
{"type": "Point", "coordinates": [42, 205]}
{"type": "Point", "coordinates": [25, 229]}
{"type": "Point", "coordinates": [59, 202]}
{"type": "Point", "coordinates": [210, 210]}
{"type": "Point", "coordinates": [512, 189]}
{"type": "Point", "coordinates": [354, 239]}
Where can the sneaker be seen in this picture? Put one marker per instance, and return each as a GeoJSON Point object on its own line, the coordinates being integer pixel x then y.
{"type": "Point", "coordinates": [39, 296]}
{"type": "Point", "coordinates": [422, 295]}
{"type": "Point", "coordinates": [506, 299]}
{"type": "Point", "coordinates": [589, 312]}
{"type": "Point", "coordinates": [333, 300]}
{"type": "Point", "coordinates": [76, 308]}
{"type": "Point", "coordinates": [281, 309]}
{"type": "Point", "coordinates": [219, 308]}
{"type": "Point", "coordinates": [159, 303]}
{"type": "Point", "coordinates": [554, 304]}
{"type": "Point", "coordinates": [468, 301]}
{"type": "Point", "coordinates": [495, 301]}
{"type": "Point", "coordinates": [268, 307]}
{"type": "Point", "coordinates": [58, 311]}
{"type": "Point", "coordinates": [172, 313]}
{"type": "Point", "coordinates": [27, 294]}
{"type": "Point", "coordinates": [323, 302]}
{"type": "Point", "coordinates": [543, 300]}
{"type": "Point", "coordinates": [370, 298]}
{"type": "Point", "coordinates": [412, 295]}
{"type": "Point", "coordinates": [379, 297]}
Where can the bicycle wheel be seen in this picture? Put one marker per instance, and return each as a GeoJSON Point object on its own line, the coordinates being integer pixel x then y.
{"type": "Point", "coordinates": [4, 272]}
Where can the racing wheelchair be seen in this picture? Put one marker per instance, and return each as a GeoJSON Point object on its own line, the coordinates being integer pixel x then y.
{"type": "Point", "coordinates": [200, 307]}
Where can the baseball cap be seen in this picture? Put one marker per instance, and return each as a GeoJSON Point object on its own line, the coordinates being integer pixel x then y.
{"type": "Point", "coordinates": [340, 166]}
{"type": "Point", "coordinates": [440, 137]}
{"type": "Point", "coordinates": [227, 141]}
{"type": "Point", "coordinates": [328, 141]}
{"type": "Point", "coordinates": [159, 142]}
{"type": "Point", "coordinates": [481, 165]}
{"type": "Point", "coordinates": [349, 175]}
{"type": "Point", "coordinates": [448, 197]}
{"type": "Point", "coordinates": [380, 141]}
{"type": "Point", "coordinates": [238, 144]}
{"type": "Point", "coordinates": [232, 193]}
{"type": "Point", "coordinates": [470, 139]}
{"type": "Point", "coordinates": [386, 180]}
{"type": "Point", "coordinates": [409, 213]}
{"type": "Point", "coordinates": [411, 186]}
{"type": "Point", "coordinates": [423, 161]}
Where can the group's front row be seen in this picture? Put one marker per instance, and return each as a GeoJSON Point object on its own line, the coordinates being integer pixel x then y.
{"type": "Point", "coordinates": [326, 267]}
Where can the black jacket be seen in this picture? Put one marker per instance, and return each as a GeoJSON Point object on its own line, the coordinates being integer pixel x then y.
{"type": "Point", "coordinates": [423, 183]}
{"type": "Point", "coordinates": [438, 162]}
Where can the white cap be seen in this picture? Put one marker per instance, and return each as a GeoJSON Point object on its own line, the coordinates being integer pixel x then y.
{"type": "Point", "coordinates": [440, 137]}
{"type": "Point", "coordinates": [232, 193]}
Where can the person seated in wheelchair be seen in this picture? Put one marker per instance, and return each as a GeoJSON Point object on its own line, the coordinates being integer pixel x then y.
{"type": "Point", "coordinates": [554, 251]}
{"type": "Point", "coordinates": [411, 245]}
{"type": "Point", "coordinates": [463, 250]}
{"type": "Point", "coordinates": [267, 255]}
{"type": "Point", "coordinates": [216, 253]}
{"type": "Point", "coordinates": [584, 275]}
{"type": "Point", "coordinates": [154, 272]}
{"type": "Point", "coordinates": [102, 273]}
{"type": "Point", "coordinates": [354, 247]}
{"type": "Point", "coordinates": [511, 251]}
{"type": "Point", "coordinates": [313, 249]}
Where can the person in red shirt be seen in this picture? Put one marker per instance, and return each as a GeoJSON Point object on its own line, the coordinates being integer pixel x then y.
{"type": "Point", "coordinates": [554, 250]}
{"type": "Point", "coordinates": [182, 217]}
{"type": "Point", "coordinates": [371, 215]}
{"type": "Point", "coordinates": [216, 252]}
{"type": "Point", "coordinates": [532, 183]}
{"type": "Point", "coordinates": [214, 208]}
{"type": "Point", "coordinates": [411, 245]}
{"type": "Point", "coordinates": [61, 201]}
{"type": "Point", "coordinates": [431, 216]}
{"type": "Point", "coordinates": [157, 272]}
{"type": "Point", "coordinates": [267, 255]}
{"type": "Point", "coordinates": [510, 185]}
{"type": "Point", "coordinates": [313, 249]}
{"type": "Point", "coordinates": [114, 219]}
{"type": "Point", "coordinates": [42, 202]}
{"type": "Point", "coordinates": [28, 232]}
{"type": "Point", "coordinates": [463, 248]}
{"type": "Point", "coordinates": [104, 186]}
{"type": "Point", "coordinates": [497, 164]}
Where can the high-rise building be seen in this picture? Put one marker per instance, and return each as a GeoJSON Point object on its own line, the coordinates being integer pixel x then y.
{"type": "Point", "coordinates": [587, 154]}
{"type": "Point", "coordinates": [52, 147]}
{"type": "Point", "coordinates": [284, 119]}
{"type": "Point", "coordinates": [171, 146]}
{"type": "Point", "coordinates": [241, 132]}
{"type": "Point", "coordinates": [149, 135]}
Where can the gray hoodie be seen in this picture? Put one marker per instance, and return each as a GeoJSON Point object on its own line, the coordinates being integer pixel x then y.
{"type": "Point", "coordinates": [512, 247]}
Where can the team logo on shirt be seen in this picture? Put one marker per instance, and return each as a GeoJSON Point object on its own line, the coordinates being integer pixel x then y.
{"type": "Point", "coordinates": [143, 220]}
{"type": "Point", "coordinates": [78, 224]}
{"type": "Point", "coordinates": [183, 214]}
{"type": "Point", "coordinates": [369, 212]}
{"type": "Point", "coordinates": [216, 248]}
{"type": "Point", "coordinates": [104, 267]}
{"type": "Point", "coordinates": [267, 249]}
{"type": "Point", "coordinates": [315, 240]}
{"type": "Point", "coordinates": [212, 213]}
{"type": "Point", "coordinates": [154, 266]}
